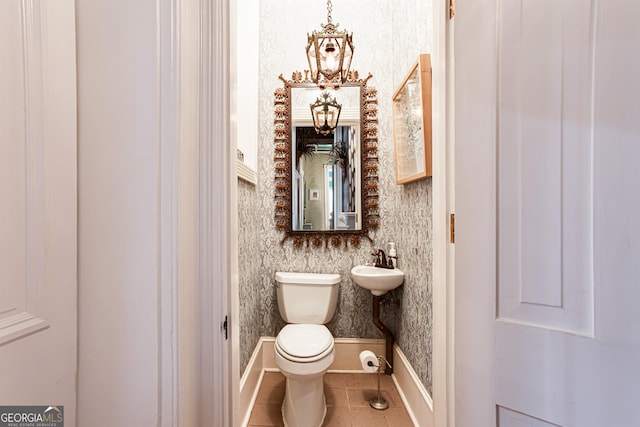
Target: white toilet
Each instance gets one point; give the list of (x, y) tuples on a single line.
[(304, 348)]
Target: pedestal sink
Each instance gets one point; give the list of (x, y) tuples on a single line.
[(377, 280)]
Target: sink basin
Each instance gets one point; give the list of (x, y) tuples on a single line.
[(378, 280)]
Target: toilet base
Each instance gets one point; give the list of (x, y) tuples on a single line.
[(304, 404)]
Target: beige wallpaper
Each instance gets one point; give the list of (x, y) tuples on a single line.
[(388, 37)]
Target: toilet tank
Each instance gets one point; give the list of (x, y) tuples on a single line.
[(307, 297)]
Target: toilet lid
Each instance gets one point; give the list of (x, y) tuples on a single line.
[(304, 341)]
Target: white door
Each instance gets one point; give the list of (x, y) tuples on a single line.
[(38, 287), (548, 206)]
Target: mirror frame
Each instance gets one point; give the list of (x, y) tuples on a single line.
[(368, 172)]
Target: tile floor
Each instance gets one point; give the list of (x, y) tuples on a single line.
[(347, 397)]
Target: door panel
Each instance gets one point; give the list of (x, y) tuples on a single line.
[(545, 156), (13, 192), (549, 337), (545, 204), (38, 286)]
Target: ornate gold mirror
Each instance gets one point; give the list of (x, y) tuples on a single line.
[(326, 186)]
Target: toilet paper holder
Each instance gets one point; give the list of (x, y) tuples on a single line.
[(379, 402)]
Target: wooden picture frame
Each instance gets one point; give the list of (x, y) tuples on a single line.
[(411, 105)]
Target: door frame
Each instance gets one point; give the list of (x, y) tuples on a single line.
[(217, 252), (443, 307), (463, 297), (198, 201), (475, 158)]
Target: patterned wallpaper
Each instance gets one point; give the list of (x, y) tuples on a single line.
[(388, 36), (249, 260)]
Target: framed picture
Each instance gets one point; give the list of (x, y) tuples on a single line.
[(411, 106), (314, 194)]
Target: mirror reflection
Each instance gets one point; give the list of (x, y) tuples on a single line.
[(326, 184)]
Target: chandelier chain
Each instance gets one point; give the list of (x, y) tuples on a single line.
[(329, 11)]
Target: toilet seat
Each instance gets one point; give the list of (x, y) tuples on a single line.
[(304, 343)]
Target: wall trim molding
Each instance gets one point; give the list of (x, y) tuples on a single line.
[(169, 242), (413, 393), (251, 380), (247, 173)]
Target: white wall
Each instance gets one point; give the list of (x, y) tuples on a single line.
[(154, 192), (119, 215), (246, 19)]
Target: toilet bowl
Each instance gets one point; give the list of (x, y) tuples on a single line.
[(303, 353), (304, 349)]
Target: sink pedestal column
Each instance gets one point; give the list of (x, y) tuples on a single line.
[(388, 335)]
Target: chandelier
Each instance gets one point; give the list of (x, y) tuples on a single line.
[(325, 112), (329, 53)]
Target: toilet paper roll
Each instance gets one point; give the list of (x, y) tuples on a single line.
[(369, 361)]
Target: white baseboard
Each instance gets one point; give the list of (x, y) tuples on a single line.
[(414, 396), (250, 382)]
